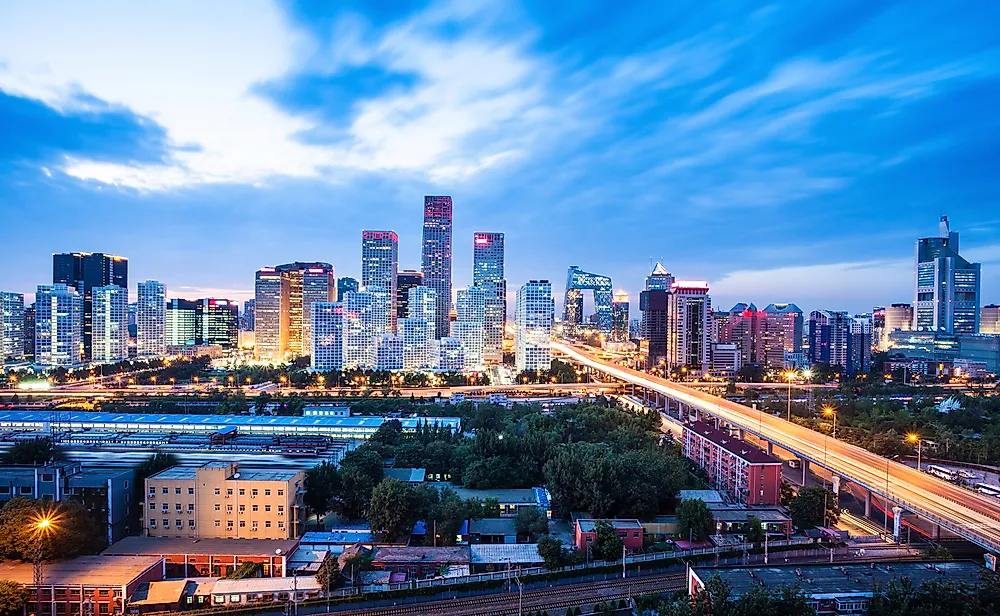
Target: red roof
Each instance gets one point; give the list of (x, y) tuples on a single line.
[(733, 445)]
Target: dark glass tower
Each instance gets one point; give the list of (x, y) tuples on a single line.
[(84, 271), (344, 285), (436, 258), (405, 280)]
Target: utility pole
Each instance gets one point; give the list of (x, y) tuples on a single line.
[(623, 561)]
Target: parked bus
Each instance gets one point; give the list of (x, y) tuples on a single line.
[(942, 473), (987, 489)]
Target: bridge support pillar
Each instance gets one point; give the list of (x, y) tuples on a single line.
[(741, 434), (868, 503), (770, 448), (897, 522), (836, 486), (936, 532), (805, 471)]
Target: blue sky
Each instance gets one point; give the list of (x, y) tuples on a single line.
[(783, 152)]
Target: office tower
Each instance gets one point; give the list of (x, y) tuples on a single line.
[(383, 310), (989, 320), (830, 338), (379, 267), (151, 319), (472, 337), (84, 271), (743, 328), (318, 284), (898, 317), (247, 319), (688, 313), (133, 327), (416, 334), (470, 304), (218, 323), (535, 312), (436, 258), (269, 343), (406, 280), (109, 341), (451, 356), (861, 344), (488, 274), (653, 305), (659, 279), (578, 281), (58, 325), (11, 328), (389, 352), (327, 351), (346, 284), (423, 305), (358, 329), (878, 326), (947, 286), (181, 323), (29, 333), (780, 331), (619, 317)]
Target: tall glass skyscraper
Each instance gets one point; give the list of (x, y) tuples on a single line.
[(110, 324), (58, 325), (406, 280), (535, 315), (11, 327), (283, 301), (327, 351), (346, 284), (436, 257), (947, 286), (83, 271), (359, 312), (379, 266), (488, 275), (151, 319)]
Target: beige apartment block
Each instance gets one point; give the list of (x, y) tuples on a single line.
[(221, 500)]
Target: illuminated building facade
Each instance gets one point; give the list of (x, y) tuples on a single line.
[(688, 325), (416, 335), (58, 325), (989, 320), (270, 339), (83, 271), (379, 268), (780, 332), (151, 319), (488, 274), (109, 341), (659, 279), (328, 339), (389, 352), (830, 339), (406, 280), (359, 313), (11, 327), (283, 301), (861, 343), (619, 317), (218, 323), (182, 323), (577, 281), (451, 355), (653, 305), (947, 286), (436, 257), (534, 315)]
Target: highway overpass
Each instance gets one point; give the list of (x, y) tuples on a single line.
[(967, 514)]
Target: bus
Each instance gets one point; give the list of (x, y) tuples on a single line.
[(942, 473), (987, 489)]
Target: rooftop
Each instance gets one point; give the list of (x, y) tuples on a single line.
[(85, 570), (342, 536), (740, 515), (735, 446), (409, 475), (493, 526), (708, 496), (516, 496), (514, 553), (245, 474), (836, 580), (588, 526), (157, 593), (264, 585), (156, 546), (422, 554)]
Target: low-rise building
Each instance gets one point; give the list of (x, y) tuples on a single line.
[(630, 532), (407, 475), (183, 557), (500, 556), (420, 562), (493, 530), (510, 499), (743, 472), (251, 591)]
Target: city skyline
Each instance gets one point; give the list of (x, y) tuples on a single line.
[(729, 166)]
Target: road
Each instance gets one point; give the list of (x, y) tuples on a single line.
[(965, 513)]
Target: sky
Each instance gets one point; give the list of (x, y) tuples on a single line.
[(786, 152)]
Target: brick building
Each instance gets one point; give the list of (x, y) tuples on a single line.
[(183, 557), (630, 532), (745, 473)]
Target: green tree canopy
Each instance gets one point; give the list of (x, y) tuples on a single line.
[(754, 532), (393, 509), (34, 451), (13, 598), (531, 521), (321, 485), (807, 508), (695, 519), (73, 531), (607, 545)]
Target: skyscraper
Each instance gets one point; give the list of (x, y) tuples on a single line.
[(989, 321), (577, 281), (897, 317), (659, 279), (653, 305), (405, 280), (109, 341), (218, 323), (270, 338), (379, 267), (58, 325), (688, 313), (743, 328), (151, 319), (346, 284), (861, 344), (11, 328), (947, 286), (84, 271), (181, 323), (389, 352), (619, 317), (416, 350), (327, 351), (830, 338), (470, 326), (535, 312), (284, 296), (436, 257), (359, 329), (488, 274), (423, 306), (451, 355), (29, 333), (780, 332), (247, 320)]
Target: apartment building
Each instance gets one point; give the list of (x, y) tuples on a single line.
[(222, 500), (747, 474)]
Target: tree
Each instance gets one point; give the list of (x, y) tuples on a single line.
[(245, 570), (607, 545), (354, 493), (787, 493), (321, 485), (328, 575), (807, 509), (479, 509), (531, 521), (445, 516), (74, 531), (393, 508), (13, 598), (754, 531), (552, 552), (695, 519), (36, 451)]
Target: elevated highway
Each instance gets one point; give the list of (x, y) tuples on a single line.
[(965, 513)]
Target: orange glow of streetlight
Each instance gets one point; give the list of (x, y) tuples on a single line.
[(913, 438)]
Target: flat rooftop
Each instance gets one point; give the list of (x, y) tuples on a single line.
[(733, 445), (588, 526), (422, 554), (88, 571), (837, 580), (497, 553), (157, 546), (246, 474), (516, 496)]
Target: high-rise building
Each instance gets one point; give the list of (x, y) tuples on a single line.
[(84, 271), (318, 285), (423, 305), (436, 257), (653, 305), (359, 312), (878, 327), (897, 317), (328, 339), (619, 317), (688, 324), (109, 342), (270, 339), (470, 304), (247, 318), (659, 279), (780, 331), (416, 334), (406, 280), (29, 333), (830, 338), (379, 267), (947, 286), (182, 323), (383, 310), (989, 319), (58, 325), (151, 319), (472, 337), (861, 344), (11, 328), (218, 323), (488, 274), (535, 313), (389, 352), (284, 296), (743, 328), (578, 281), (346, 284), (451, 355)]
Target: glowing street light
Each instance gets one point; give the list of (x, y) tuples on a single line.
[(915, 438), (830, 411), (41, 527)]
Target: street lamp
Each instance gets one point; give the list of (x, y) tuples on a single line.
[(789, 375), (828, 411), (41, 527), (915, 438)]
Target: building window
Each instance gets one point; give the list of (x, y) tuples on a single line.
[(229, 524), (190, 523), (190, 507), (177, 491), (190, 491), (267, 523), (281, 492), (218, 507), (281, 510), (152, 523), (24, 490), (281, 524), (218, 491), (267, 492), (166, 523), (253, 525), (152, 506), (243, 508), (180, 524), (178, 507), (46, 476), (165, 491), (243, 492), (126, 484), (165, 507), (253, 493), (229, 491), (229, 508), (243, 523), (254, 508), (267, 508), (218, 523)]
